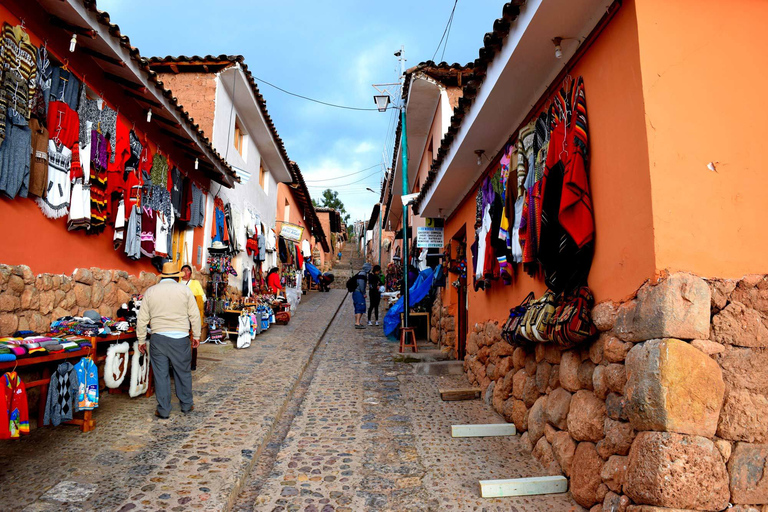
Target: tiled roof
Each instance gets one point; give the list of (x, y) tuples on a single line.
[(213, 63), (103, 18), (492, 43)]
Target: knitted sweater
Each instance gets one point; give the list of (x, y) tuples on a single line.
[(169, 307), (14, 417), (18, 58), (62, 396)]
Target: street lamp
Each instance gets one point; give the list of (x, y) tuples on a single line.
[(382, 102), (369, 189), (404, 150)]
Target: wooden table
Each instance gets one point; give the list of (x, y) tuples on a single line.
[(419, 313), (87, 423)]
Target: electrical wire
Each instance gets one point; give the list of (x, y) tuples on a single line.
[(345, 176), (448, 35), (346, 184), (314, 100), (447, 28)]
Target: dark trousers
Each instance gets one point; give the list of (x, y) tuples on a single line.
[(374, 307), (178, 352)]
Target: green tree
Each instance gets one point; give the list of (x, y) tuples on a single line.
[(331, 200)]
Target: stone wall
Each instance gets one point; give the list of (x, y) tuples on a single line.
[(666, 409), (443, 328), (32, 302)]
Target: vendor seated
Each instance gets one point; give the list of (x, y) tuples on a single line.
[(273, 281), (325, 281)]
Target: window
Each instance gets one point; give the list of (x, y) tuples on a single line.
[(264, 178), (287, 212), (240, 138)]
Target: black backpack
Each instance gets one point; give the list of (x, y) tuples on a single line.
[(352, 283)]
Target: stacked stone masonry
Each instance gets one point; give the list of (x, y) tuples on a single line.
[(666, 410), (32, 302), (443, 328)]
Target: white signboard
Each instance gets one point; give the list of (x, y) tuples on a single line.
[(291, 232), (429, 238)]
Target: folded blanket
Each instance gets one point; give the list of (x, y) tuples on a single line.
[(18, 351), (38, 351), (50, 342), (54, 347), (7, 357), (30, 345), (5, 349)]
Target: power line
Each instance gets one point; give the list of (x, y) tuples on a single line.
[(312, 99), (447, 28), (448, 35), (346, 184), (345, 176)]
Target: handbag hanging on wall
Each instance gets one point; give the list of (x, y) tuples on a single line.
[(572, 321), (511, 330)]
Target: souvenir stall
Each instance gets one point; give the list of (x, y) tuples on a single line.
[(68, 153)]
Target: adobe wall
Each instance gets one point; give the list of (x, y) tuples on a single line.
[(667, 407)]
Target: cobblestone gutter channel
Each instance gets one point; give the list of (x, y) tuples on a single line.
[(134, 462)]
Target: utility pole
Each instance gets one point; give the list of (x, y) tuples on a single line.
[(404, 151)]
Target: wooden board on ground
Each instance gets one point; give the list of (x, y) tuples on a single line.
[(460, 394), (489, 430), (523, 486)]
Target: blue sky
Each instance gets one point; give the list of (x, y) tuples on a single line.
[(331, 50)]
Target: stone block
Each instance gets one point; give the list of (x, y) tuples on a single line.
[(725, 448), (30, 298), (504, 367), (15, 284), (586, 369), (46, 302), (741, 326), (599, 383), (67, 284), (83, 275), (678, 471), (586, 417), (9, 323), (44, 282), (543, 452), (518, 383), (708, 347), (752, 291), (537, 419), (518, 358), (615, 350), (604, 316), (615, 503), (543, 373), (597, 508), (530, 364), (586, 480), (673, 387), (554, 377), (519, 414), (472, 347), (549, 432), (744, 368), (525, 442), (743, 417), (530, 391), (501, 349), (613, 472), (618, 438), (569, 370), (677, 307), (490, 371), (504, 386), (564, 447), (552, 353), (483, 353), (616, 377), (27, 275), (651, 508), (596, 349), (5, 274), (493, 333), (82, 295), (9, 302), (97, 295), (720, 290), (488, 392), (558, 405)]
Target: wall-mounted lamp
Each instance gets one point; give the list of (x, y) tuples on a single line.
[(557, 41), (197, 163), (479, 153), (149, 115), (72, 43)]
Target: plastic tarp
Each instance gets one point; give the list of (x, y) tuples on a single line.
[(416, 293), (313, 271)]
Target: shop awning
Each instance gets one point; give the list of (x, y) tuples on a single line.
[(399, 234)]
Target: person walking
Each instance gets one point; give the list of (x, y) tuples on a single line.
[(170, 309), (374, 291), (358, 296), (197, 291)]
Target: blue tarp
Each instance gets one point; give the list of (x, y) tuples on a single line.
[(313, 271), (416, 294)]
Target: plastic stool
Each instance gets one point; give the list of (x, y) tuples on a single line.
[(404, 332)]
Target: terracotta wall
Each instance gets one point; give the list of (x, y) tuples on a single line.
[(621, 188), (197, 92), (703, 79), (296, 215)]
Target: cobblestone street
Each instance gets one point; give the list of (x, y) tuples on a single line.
[(275, 428)]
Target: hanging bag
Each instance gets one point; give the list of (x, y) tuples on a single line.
[(537, 325), (573, 323), (510, 331)]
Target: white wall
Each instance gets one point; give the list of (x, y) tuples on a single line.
[(241, 196)]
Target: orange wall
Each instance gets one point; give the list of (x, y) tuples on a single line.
[(621, 188), (704, 79), (45, 245), (284, 192)]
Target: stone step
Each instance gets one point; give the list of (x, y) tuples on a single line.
[(450, 367)]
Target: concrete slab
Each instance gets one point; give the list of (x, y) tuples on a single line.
[(438, 368)]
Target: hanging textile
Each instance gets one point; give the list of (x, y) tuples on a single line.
[(98, 182), (15, 156), (38, 165), (219, 232), (18, 59), (103, 120), (65, 87), (14, 416), (55, 204), (88, 384), (62, 395), (139, 372)]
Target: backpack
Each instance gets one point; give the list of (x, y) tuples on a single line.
[(352, 283)]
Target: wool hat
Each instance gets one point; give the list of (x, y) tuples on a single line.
[(170, 269), (366, 267), (92, 315)]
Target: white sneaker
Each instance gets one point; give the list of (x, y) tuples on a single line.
[(369, 322), (377, 322)]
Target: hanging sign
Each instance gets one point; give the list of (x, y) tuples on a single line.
[(429, 238), (291, 232)]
